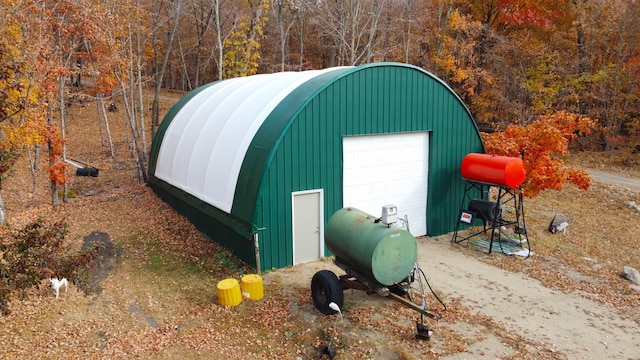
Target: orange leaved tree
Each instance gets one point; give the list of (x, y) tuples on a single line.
[(541, 145)]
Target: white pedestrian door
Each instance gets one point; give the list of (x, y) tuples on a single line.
[(307, 221)]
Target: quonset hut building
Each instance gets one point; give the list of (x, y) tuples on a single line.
[(260, 163)]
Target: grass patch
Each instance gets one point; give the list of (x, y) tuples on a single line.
[(226, 260), (165, 262)]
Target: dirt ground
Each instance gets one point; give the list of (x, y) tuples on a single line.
[(528, 318), (538, 318), (154, 294)]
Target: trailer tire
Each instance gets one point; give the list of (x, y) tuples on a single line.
[(325, 289)]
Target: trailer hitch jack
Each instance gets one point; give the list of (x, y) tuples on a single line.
[(422, 331)]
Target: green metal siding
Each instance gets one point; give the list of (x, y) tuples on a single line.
[(299, 147), (261, 149), (374, 99)]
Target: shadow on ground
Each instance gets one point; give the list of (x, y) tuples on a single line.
[(105, 263)]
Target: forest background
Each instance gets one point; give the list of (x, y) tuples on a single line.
[(511, 61), (97, 76)]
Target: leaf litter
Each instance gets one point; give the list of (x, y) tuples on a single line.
[(167, 271)]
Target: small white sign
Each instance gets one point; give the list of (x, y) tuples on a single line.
[(466, 217)]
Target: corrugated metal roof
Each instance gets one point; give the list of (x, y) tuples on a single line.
[(205, 143)]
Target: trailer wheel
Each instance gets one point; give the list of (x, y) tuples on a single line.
[(325, 289)]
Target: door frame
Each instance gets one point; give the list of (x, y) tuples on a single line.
[(370, 145), (320, 193)]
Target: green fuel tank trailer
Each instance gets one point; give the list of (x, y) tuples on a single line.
[(383, 253)]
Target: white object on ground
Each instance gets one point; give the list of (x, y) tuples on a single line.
[(56, 284), (335, 307)]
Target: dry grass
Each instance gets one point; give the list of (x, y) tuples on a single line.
[(159, 299)]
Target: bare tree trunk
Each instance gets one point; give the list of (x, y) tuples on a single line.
[(132, 79), (2, 213), (162, 66), (203, 16), (99, 102), (137, 151), (55, 200), (581, 42), (106, 125), (284, 33), (185, 76), (378, 7), (302, 33), (407, 36), (33, 167), (143, 129), (283, 44), (441, 28), (352, 26), (63, 126), (218, 25), (252, 34)]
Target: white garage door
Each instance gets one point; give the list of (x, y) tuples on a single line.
[(388, 169)]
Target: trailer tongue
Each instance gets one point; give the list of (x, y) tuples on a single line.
[(377, 257)]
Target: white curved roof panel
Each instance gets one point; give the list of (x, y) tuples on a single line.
[(204, 145)]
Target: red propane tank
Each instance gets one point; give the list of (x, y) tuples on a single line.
[(501, 170)]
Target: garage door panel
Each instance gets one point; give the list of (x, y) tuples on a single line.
[(388, 169)]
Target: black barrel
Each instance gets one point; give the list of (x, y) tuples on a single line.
[(485, 209), (87, 171)]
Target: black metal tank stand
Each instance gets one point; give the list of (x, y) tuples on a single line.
[(506, 210)]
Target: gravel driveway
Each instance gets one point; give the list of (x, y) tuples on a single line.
[(631, 183)]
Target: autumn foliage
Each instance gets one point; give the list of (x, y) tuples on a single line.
[(510, 61), (57, 166), (542, 145)]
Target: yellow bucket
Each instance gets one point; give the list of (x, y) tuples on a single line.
[(229, 292), (252, 287)]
